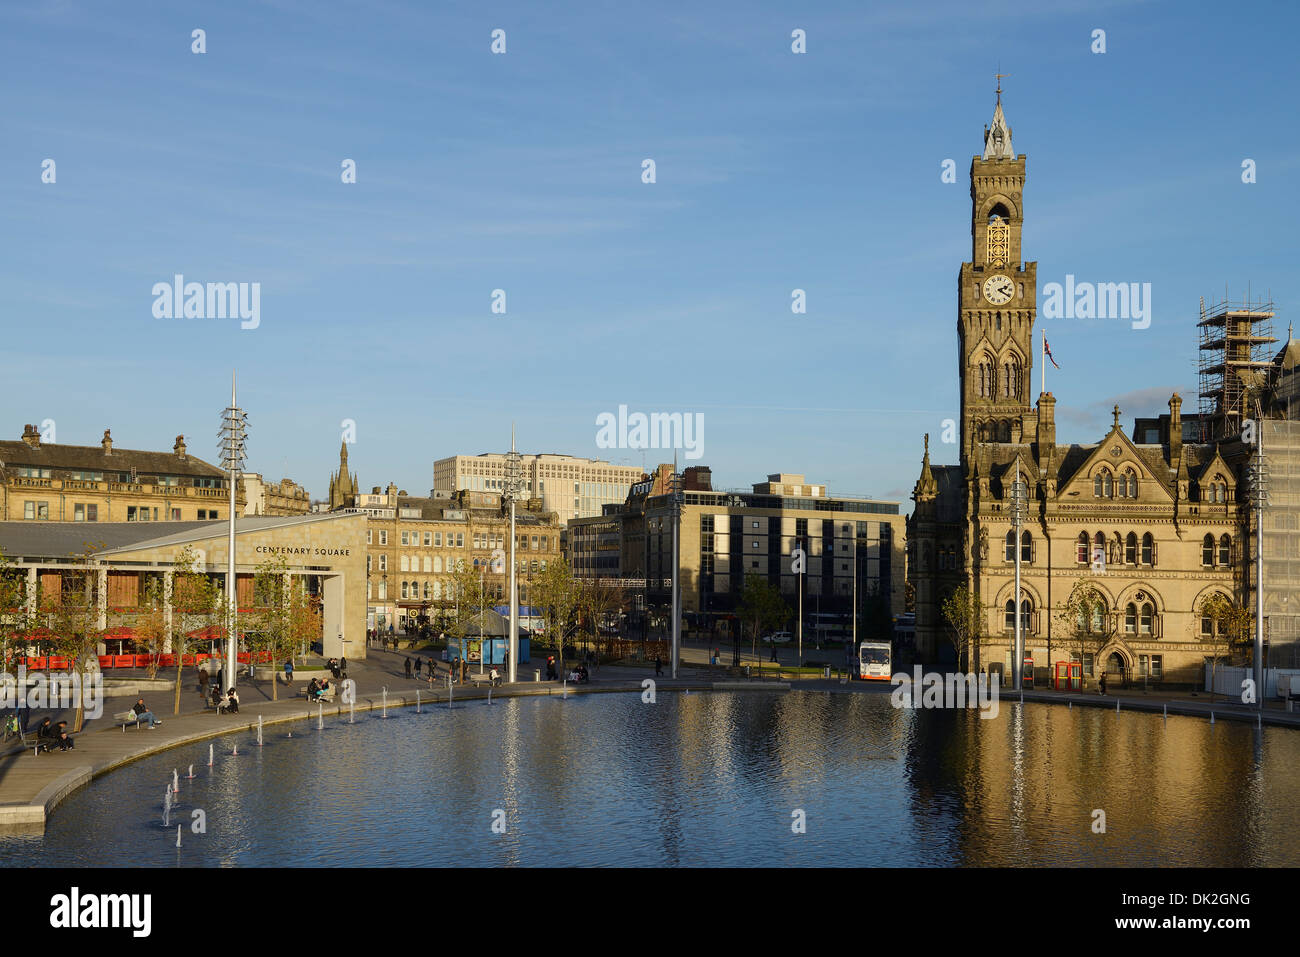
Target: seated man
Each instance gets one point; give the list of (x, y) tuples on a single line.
[(216, 698), (47, 735), (144, 714), (313, 690), (64, 739)]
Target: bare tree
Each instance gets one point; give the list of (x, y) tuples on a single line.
[(964, 611)]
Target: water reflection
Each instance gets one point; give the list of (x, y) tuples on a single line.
[(704, 780)]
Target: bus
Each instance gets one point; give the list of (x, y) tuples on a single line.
[(874, 661)]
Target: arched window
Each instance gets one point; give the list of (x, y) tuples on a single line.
[(1144, 622), (1093, 623), (1026, 615), (1148, 549), (1081, 549), (1026, 547), (1207, 550), (1107, 486), (1096, 485), (1130, 618), (1011, 378), (1098, 543), (1010, 551), (1131, 549), (986, 377), (1225, 550), (1130, 480)]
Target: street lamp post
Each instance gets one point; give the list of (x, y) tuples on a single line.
[(677, 592), (1259, 498), (1019, 512), (234, 434), (514, 476)]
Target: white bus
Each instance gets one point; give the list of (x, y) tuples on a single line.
[(874, 661)]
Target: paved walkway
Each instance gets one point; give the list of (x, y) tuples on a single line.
[(32, 785)]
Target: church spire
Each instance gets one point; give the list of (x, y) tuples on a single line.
[(997, 136), (926, 487)]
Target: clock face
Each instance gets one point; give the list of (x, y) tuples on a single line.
[(998, 289)]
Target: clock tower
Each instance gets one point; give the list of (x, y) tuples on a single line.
[(996, 299)]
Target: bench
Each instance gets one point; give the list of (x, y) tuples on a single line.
[(327, 697), (486, 678), (127, 717)]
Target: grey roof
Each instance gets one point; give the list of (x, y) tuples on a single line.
[(92, 458), (70, 539)]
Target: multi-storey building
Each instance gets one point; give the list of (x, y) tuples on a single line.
[(569, 486), (1153, 524), (414, 545), (284, 497), (725, 536), (44, 482)]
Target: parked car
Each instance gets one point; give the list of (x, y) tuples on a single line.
[(778, 637)]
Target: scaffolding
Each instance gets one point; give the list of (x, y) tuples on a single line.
[(1233, 361)]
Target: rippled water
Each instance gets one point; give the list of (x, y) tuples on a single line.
[(703, 779)]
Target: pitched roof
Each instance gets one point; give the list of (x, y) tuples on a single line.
[(93, 458)]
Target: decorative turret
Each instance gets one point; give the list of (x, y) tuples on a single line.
[(106, 443), (926, 487), (1175, 430)]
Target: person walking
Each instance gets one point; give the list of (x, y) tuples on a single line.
[(419, 663), (288, 671), (1102, 684), (204, 678), (774, 658), (659, 666), (408, 667)]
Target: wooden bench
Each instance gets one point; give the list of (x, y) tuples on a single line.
[(127, 717), (485, 678)]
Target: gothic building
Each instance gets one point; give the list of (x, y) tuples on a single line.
[(1152, 521), (343, 486)]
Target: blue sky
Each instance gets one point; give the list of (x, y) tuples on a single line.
[(522, 172)]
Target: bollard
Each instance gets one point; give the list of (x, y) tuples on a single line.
[(1117, 706), (826, 672), (537, 675), (417, 700)]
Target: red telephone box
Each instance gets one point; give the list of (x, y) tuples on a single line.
[(1027, 673), (1069, 676)]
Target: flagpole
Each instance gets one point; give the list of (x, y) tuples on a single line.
[(1042, 376)]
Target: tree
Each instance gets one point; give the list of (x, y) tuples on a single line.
[(1231, 630), (965, 612), (762, 608), (555, 592), (470, 591), (15, 619), (72, 615), (1084, 619), (285, 619), (196, 603), (598, 598)]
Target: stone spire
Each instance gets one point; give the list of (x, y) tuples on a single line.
[(997, 136), (926, 487)]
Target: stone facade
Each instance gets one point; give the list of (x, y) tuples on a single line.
[(1153, 526)]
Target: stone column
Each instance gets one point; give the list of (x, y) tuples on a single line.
[(332, 615)]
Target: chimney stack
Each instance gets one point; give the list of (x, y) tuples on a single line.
[(1046, 428), (179, 447), (106, 443), (31, 436)]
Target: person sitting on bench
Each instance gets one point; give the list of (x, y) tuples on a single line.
[(232, 702), (313, 690), (215, 699), (142, 713), (64, 739)]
